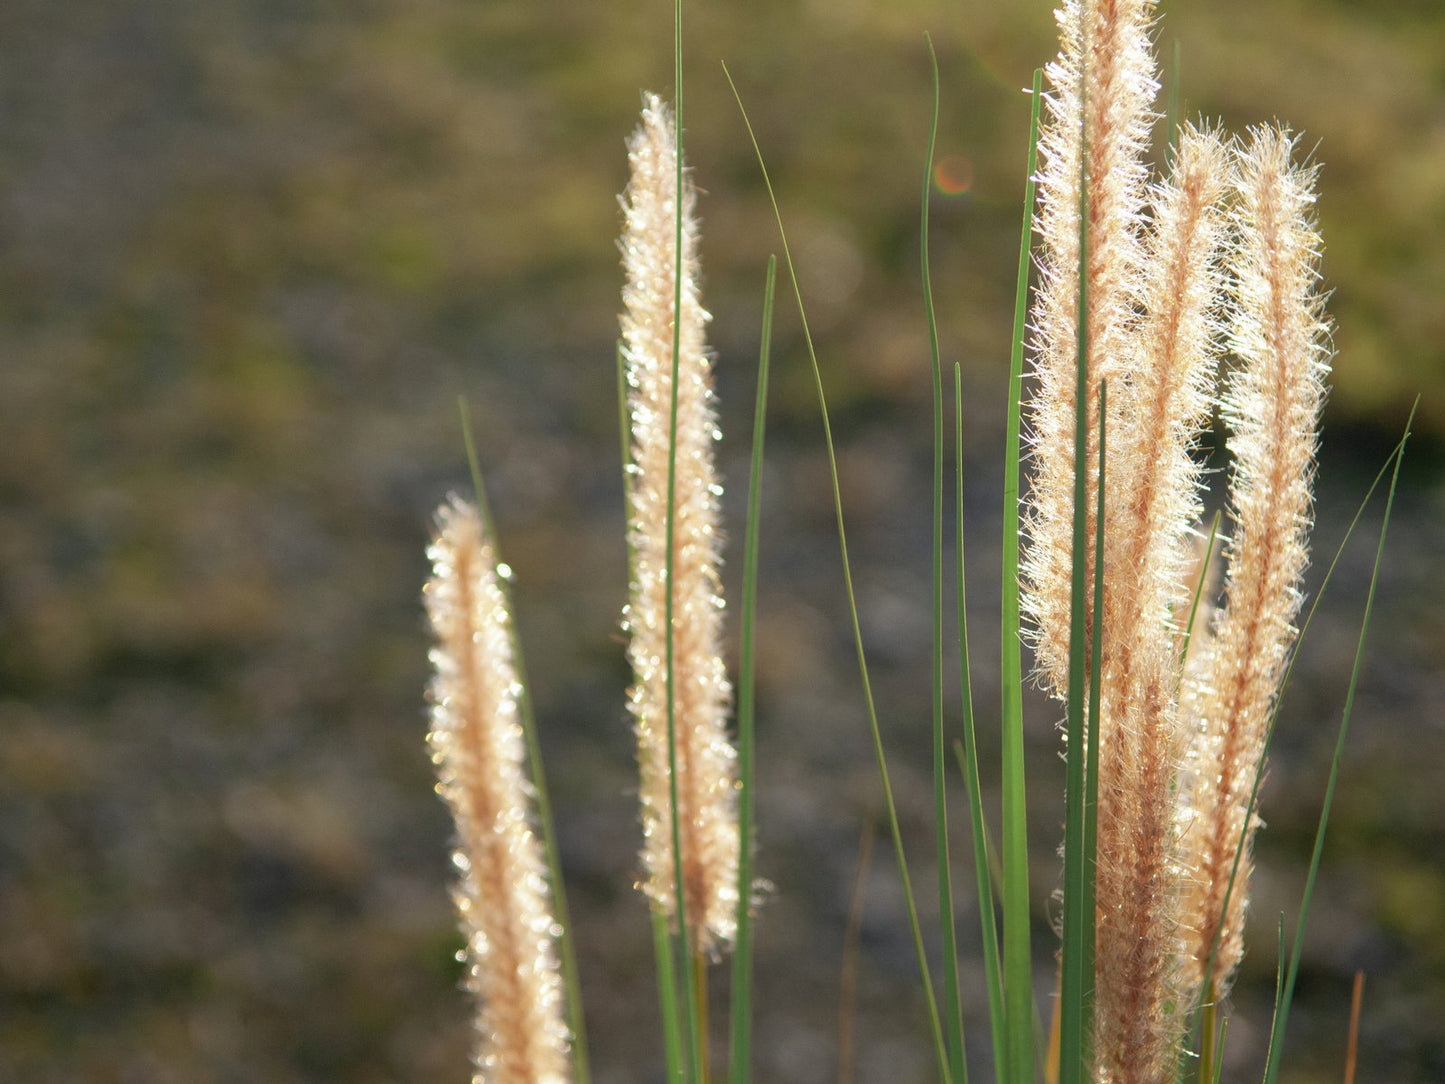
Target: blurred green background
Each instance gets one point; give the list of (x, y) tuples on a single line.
[(250, 255)]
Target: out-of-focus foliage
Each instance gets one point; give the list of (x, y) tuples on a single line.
[(251, 252)]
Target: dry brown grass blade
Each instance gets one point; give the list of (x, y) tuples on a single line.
[(1352, 1047)]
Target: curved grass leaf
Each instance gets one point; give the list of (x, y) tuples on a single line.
[(952, 1005), (742, 970), (875, 731)]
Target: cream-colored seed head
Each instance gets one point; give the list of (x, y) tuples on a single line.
[(1273, 395), (477, 743), (1102, 90), (701, 695), (1153, 501), (1152, 281), (1179, 739)]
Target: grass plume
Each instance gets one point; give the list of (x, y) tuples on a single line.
[(1153, 485), (478, 746), (1099, 112), (1272, 400), (1132, 296), (675, 484)]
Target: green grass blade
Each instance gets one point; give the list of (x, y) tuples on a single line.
[(1199, 583), (1282, 1018), (1278, 989), (1089, 859), (691, 981), (1202, 1016), (875, 731), (952, 1002), (967, 751), (1218, 1053), (991, 856), (1072, 985), (667, 999), (566, 947), (1017, 965), (742, 970), (852, 935), (1091, 763)]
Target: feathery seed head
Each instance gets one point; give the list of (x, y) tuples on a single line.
[(696, 706), (502, 894), (1152, 482), (1099, 113), (1279, 336), (1153, 278)]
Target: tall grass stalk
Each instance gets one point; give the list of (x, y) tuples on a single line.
[(694, 983), (477, 744), (967, 749), (1083, 644), (952, 1001), (1271, 401), (662, 938), (681, 694), (1016, 1019), (1206, 1007)]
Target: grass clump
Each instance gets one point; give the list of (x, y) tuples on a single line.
[(1146, 287)]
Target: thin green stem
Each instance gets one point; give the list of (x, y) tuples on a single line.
[(967, 750), (952, 1002), (1218, 1052), (697, 974), (742, 971), (1199, 583), (667, 999), (1017, 966), (697, 1046), (1278, 991), (876, 734), (1089, 919), (1081, 633)]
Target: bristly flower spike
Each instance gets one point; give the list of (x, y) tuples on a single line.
[(477, 743), (1272, 400), (1099, 117), (1154, 482), (706, 761)]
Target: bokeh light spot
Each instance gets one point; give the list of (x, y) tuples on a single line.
[(953, 174)]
